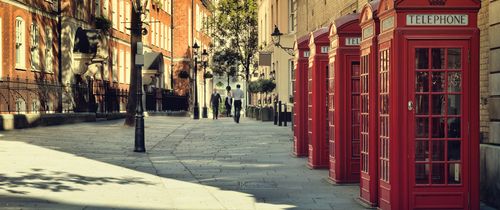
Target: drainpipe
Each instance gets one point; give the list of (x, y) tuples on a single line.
[(59, 55), (172, 45)]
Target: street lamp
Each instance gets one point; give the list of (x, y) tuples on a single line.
[(204, 58), (276, 35), (196, 109)]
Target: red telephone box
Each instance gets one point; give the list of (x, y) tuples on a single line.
[(300, 146), (428, 54), (317, 98), (343, 101), (368, 104)]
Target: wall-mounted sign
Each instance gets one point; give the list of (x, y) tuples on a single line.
[(352, 41), (437, 19), (307, 54), (367, 32), (388, 23), (324, 49)]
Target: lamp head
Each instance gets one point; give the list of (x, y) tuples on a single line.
[(276, 35)]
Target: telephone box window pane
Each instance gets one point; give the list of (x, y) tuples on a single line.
[(454, 127), (422, 128), (437, 58), (438, 81), (454, 82), (422, 58), (438, 105), (454, 58), (438, 127), (438, 150), (454, 150), (422, 82), (422, 173), (454, 175), (422, 104), (438, 176), (421, 150), (454, 105)]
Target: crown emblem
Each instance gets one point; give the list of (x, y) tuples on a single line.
[(437, 2)]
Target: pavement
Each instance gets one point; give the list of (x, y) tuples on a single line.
[(189, 164)]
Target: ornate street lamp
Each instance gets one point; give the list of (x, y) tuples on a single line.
[(276, 35), (196, 108), (204, 62)]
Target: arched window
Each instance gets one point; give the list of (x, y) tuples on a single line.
[(20, 45), (35, 49), (49, 56)]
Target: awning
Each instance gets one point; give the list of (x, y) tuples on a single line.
[(153, 60), (86, 41)]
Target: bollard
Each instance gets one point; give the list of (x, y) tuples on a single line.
[(285, 115), (280, 115), (275, 113)]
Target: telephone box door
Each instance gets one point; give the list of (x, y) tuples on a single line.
[(438, 118)]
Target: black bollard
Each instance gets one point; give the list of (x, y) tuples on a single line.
[(285, 115), (280, 114), (275, 113)]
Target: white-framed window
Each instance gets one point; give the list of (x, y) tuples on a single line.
[(162, 42), (190, 40), (1, 55), (114, 13), (168, 7), (292, 15), (35, 47), (121, 63), (157, 26), (105, 6), (169, 39), (122, 16), (127, 67), (127, 18), (152, 25), (114, 69), (97, 8), (291, 73), (49, 56), (20, 43), (197, 18)]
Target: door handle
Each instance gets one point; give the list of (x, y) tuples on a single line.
[(410, 105)]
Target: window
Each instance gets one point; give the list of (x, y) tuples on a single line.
[(48, 50), (1, 49), (20, 43), (114, 6), (197, 18), (121, 63), (122, 16), (169, 39), (291, 72), (168, 7), (97, 8), (114, 70), (162, 42), (35, 51), (127, 18), (105, 5), (127, 68), (292, 10)]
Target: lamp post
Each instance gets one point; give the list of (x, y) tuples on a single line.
[(204, 57), (276, 35), (196, 108)]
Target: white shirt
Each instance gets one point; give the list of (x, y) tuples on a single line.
[(238, 94)]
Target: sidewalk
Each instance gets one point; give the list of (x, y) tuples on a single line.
[(189, 164)]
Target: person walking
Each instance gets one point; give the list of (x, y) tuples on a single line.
[(215, 100), (237, 96), (228, 102)]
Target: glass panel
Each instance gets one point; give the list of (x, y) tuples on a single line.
[(454, 150), (454, 58), (454, 127), (422, 173), (422, 58), (454, 81), (438, 81), (454, 104), (422, 104), (438, 105), (421, 150), (438, 127), (437, 58), (422, 127), (438, 176), (438, 150), (422, 83), (454, 173)]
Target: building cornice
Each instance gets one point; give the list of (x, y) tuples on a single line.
[(30, 9)]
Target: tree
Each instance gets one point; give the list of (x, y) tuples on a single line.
[(224, 62), (233, 28)]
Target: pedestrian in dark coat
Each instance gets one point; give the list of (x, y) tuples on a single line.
[(228, 103), (215, 100)]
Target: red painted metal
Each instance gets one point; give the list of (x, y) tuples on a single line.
[(317, 95), (368, 104), (300, 146), (428, 114), (343, 101)]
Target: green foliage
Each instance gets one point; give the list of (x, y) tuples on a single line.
[(103, 23), (254, 86), (219, 84), (208, 75), (267, 85), (233, 27)]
